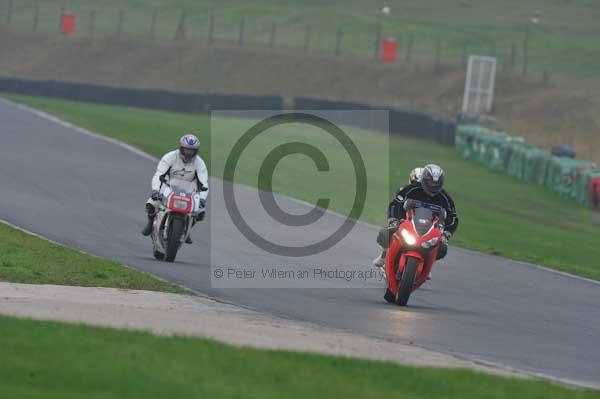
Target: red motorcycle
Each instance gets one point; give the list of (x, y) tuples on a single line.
[(174, 220), (413, 250)]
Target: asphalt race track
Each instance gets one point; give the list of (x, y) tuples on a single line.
[(89, 193)]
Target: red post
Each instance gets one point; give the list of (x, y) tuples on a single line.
[(67, 24), (594, 185), (388, 50)]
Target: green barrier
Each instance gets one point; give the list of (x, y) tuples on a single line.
[(536, 165), (518, 151), (467, 142), (570, 178), (497, 150)]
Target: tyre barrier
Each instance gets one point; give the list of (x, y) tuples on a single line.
[(140, 98)]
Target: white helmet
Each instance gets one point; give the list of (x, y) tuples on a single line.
[(189, 142), (415, 175)]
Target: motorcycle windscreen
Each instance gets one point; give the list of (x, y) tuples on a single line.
[(182, 186), (423, 220)]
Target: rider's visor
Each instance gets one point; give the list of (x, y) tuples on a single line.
[(188, 153)]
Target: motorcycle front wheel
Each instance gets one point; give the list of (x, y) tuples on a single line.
[(408, 279), (176, 228)]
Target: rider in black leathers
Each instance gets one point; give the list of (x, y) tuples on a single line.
[(429, 189)]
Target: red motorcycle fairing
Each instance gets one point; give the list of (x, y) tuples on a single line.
[(399, 253), (176, 200)]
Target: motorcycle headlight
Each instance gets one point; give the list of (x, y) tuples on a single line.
[(408, 238), (429, 243), (180, 204)]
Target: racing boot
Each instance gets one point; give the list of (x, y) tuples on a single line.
[(379, 262), (148, 228), (151, 213), (197, 218)]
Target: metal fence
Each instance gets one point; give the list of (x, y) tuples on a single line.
[(212, 27)]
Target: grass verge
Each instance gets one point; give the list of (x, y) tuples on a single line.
[(56, 360), (31, 260), (499, 214)]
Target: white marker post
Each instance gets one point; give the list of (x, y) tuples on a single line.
[(479, 85)]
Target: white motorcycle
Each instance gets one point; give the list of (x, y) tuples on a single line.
[(174, 219)]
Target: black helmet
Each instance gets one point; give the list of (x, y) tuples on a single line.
[(432, 179)]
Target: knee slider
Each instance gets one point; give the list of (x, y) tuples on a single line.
[(150, 210), (383, 237)]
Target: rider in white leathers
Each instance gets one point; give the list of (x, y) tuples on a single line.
[(183, 166)]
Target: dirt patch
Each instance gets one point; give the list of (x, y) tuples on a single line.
[(562, 111)]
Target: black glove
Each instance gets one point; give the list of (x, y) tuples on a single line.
[(155, 195), (393, 222), (202, 203)]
